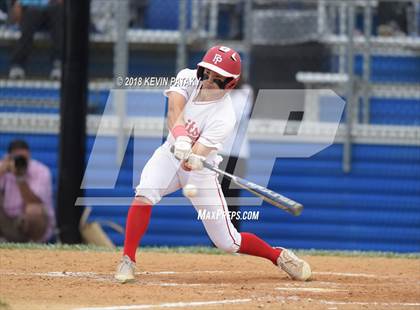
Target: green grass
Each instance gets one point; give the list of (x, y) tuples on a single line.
[(197, 249), (359, 254), (55, 247), (94, 248)]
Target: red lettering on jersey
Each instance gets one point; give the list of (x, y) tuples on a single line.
[(192, 129)]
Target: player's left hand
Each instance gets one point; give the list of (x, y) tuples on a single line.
[(195, 162), (182, 147)]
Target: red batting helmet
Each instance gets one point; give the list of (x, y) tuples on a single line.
[(224, 61)]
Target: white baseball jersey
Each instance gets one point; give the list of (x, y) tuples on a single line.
[(237, 143), (208, 122)]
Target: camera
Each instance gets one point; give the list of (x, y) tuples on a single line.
[(21, 163)]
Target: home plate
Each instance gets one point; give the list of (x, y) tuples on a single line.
[(309, 289)]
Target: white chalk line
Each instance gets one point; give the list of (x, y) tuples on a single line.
[(181, 272), (341, 274), (347, 274), (364, 275), (94, 276), (106, 276), (329, 283), (232, 301), (372, 303), (171, 305), (90, 274), (358, 303), (369, 303), (310, 289)]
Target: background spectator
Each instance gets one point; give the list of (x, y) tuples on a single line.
[(102, 16), (392, 18), (3, 11), (235, 11), (32, 16), (137, 13), (26, 210)]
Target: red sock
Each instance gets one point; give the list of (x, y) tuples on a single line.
[(252, 245), (137, 221)]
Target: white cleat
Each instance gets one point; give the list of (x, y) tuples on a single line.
[(125, 270), (295, 267)]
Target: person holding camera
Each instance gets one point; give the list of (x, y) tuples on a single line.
[(26, 209)]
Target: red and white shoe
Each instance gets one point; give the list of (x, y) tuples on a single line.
[(295, 267)]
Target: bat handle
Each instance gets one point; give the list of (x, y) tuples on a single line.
[(205, 164)]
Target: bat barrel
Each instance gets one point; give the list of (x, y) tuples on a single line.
[(297, 209), (266, 194)]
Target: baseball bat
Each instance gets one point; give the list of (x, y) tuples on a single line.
[(266, 194)]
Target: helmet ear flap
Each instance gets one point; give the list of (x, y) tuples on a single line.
[(200, 72)]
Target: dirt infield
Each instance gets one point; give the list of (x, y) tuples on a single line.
[(57, 279)]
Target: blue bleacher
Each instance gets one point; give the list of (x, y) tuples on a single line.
[(385, 69), (392, 69), (375, 207), (395, 111), (164, 19), (399, 69)]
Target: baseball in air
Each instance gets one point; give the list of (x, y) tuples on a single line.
[(190, 190)]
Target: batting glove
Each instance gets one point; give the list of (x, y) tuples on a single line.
[(195, 162), (182, 147)]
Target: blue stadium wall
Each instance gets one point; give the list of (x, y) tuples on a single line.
[(375, 207)]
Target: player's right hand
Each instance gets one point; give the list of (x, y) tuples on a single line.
[(182, 147)]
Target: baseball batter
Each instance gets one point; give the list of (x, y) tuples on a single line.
[(200, 119)]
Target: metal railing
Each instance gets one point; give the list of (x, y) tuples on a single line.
[(348, 44), (334, 26)]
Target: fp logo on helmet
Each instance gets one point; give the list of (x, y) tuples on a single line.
[(217, 58)]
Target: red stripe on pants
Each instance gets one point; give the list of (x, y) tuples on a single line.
[(219, 191)]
